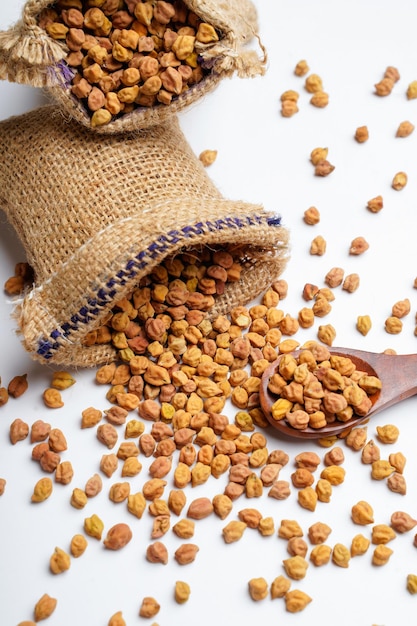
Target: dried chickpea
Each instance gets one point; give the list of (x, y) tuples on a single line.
[(318, 246), (297, 545), (318, 532), (363, 324), (59, 562), (93, 526), (44, 607), (186, 553), (358, 246), (397, 460), (362, 134), (207, 157), (323, 490), (258, 588), (78, 499), (396, 483), (266, 527), (117, 620), (370, 453), (399, 181), (17, 386), (222, 505), (384, 87), (323, 168), (388, 433), (351, 283), (279, 587), (42, 490), (375, 204), (302, 68), (233, 531), (402, 522), (359, 545), (52, 398), (341, 555), (404, 129), (290, 94), (289, 108), (18, 431), (307, 498), (334, 474), (381, 555), (289, 528), (320, 99), (149, 607), (182, 592), (381, 469), (296, 600), (382, 534), (362, 513), (412, 583), (295, 567), (311, 216), (313, 83), (320, 555), (78, 545)]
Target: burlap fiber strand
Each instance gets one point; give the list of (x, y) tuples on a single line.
[(28, 55), (95, 214)]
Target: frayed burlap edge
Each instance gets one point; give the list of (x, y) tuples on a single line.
[(55, 336)]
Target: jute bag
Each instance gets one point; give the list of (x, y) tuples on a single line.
[(29, 55), (95, 214)]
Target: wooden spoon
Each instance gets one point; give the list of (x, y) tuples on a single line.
[(398, 374)]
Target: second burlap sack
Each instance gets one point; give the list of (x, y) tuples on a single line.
[(28, 54), (95, 214)]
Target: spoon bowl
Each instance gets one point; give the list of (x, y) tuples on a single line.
[(397, 373)]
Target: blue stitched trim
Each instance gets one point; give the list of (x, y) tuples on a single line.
[(158, 248)]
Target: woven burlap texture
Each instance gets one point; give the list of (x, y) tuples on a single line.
[(28, 55), (95, 214)]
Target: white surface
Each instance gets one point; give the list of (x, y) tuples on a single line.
[(264, 158)]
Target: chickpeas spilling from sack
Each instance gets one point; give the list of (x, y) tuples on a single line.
[(317, 388), (128, 54), (169, 309)]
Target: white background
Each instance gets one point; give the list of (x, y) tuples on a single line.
[(262, 158)]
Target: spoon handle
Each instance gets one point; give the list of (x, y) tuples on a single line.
[(397, 372)]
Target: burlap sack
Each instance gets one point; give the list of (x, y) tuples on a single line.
[(28, 55), (95, 214)]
